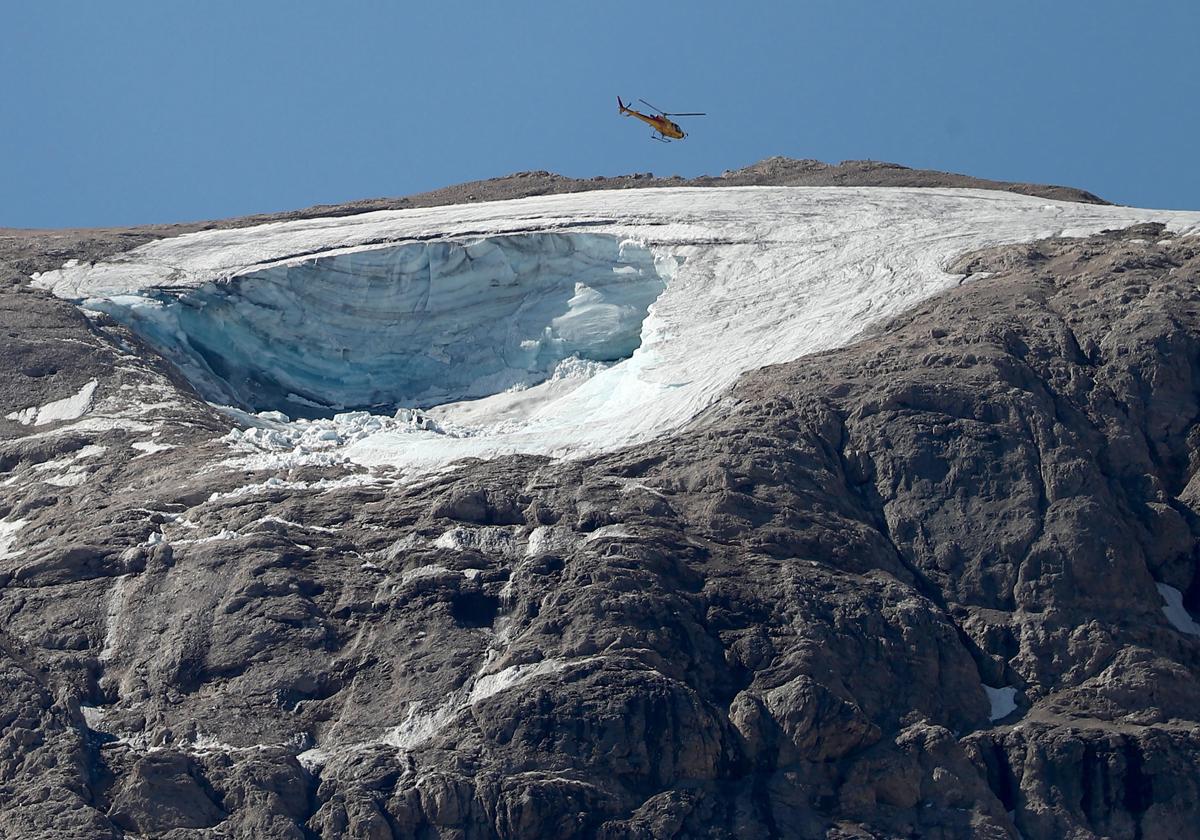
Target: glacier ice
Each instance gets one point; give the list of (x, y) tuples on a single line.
[(749, 277), (415, 325)]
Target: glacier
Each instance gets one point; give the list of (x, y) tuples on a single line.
[(416, 325), (559, 325)]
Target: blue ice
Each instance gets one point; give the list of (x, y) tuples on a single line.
[(415, 324)]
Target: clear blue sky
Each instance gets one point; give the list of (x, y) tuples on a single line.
[(133, 111)]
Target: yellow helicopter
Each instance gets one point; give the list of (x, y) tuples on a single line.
[(667, 130)]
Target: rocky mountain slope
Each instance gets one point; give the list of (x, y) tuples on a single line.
[(934, 584)]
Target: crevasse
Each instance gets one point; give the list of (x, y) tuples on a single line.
[(417, 324)]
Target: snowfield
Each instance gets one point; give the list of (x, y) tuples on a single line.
[(68, 408), (561, 325)]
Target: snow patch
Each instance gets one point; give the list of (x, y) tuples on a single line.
[(419, 727), (8, 535), (149, 447), (94, 424), (1003, 700), (71, 478), (92, 716), (1176, 612), (514, 675), (69, 472), (491, 684), (68, 408)]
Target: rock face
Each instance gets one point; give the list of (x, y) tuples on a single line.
[(913, 587)]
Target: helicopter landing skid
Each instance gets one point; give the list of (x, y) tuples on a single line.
[(659, 139)]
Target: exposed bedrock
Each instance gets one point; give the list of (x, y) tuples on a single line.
[(941, 583), (417, 324)]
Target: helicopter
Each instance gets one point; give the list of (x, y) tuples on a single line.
[(667, 130)]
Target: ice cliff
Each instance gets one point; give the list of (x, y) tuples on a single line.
[(413, 325)]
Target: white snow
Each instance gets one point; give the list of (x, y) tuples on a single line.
[(489, 684), (482, 300), (71, 478), (94, 424), (68, 408), (1003, 700), (512, 676), (69, 473), (1176, 612), (56, 464), (149, 447), (8, 535), (92, 716), (419, 727)]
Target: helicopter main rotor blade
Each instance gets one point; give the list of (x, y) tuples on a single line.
[(672, 114)]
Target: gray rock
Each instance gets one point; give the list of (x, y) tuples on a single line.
[(784, 620)]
